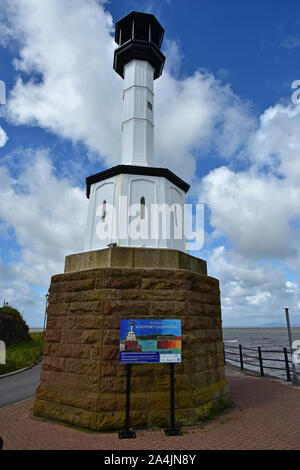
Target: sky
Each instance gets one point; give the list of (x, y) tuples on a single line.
[(226, 94), (145, 327)]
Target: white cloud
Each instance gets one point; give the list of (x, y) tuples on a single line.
[(174, 55), (290, 42), (20, 295), (252, 293), (39, 203), (68, 44), (258, 211), (276, 143), (3, 137), (66, 85), (48, 216), (203, 114), (253, 211)]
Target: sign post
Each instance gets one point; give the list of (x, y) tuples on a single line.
[(172, 430), (295, 378), (127, 433), (148, 342)]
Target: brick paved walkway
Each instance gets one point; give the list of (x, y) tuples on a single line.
[(266, 416)]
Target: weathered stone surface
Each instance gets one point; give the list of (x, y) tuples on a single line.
[(52, 335), (54, 363), (82, 382), (88, 322), (70, 336), (82, 400), (82, 366), (126, 257), (128, 307)]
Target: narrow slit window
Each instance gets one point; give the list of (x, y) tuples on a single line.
[(175, 214), (142, 207), (149, 105), (103, 211)]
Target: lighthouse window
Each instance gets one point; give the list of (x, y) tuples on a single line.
[(142, 207), (175, 213), (103, 211), (156, 35), (125, 34), (141, 31), (149, 105)]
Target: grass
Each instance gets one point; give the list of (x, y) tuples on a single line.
[(23, 355)]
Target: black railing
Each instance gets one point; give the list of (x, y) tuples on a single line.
[(255, 358)]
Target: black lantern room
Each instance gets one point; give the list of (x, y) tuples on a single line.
[(139, 36)]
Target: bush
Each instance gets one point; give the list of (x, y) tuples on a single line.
[(23, 355), (13, 328)]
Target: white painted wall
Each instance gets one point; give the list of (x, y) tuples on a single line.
[(155, 190), (137, 149), (138, 118)]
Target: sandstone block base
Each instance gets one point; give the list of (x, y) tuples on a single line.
[(82, 382), (134, 257)]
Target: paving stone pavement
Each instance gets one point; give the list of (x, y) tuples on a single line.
[(266, 416)]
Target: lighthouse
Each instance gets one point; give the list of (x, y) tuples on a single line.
[(139, 61), (121, 276), (136, 203)]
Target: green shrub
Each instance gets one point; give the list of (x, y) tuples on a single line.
[(13, 329), (23, 354)]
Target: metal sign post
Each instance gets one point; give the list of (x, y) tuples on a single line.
[(172, 430), (295, 378), (150, 341), (127, 433), (45, 316)]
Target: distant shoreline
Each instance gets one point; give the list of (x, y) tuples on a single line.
[(39, 330), (256, 327)]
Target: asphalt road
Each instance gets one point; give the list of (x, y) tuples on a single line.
[(20, 386)]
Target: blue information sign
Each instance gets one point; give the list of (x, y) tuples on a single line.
[(150, 341)]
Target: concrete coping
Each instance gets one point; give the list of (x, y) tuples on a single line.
[(130, 257)]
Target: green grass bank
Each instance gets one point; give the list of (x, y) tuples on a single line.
[(23, 354)]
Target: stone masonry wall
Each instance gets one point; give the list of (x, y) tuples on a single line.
[(82, 382)]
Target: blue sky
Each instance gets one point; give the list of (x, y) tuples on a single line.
[(226, 95), (144, 327)]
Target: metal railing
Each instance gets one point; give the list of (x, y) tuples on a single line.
[(255, 358)]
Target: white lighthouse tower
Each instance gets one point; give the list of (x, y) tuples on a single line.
[(136, 204), (147, 277)]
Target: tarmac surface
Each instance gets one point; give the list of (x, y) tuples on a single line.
[(266, 416), (18, 387)]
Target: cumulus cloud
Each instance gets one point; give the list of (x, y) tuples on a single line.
[(67, 85), (37, 202), (254, 212), (276, 143), (20, 294), (258, 211), (48, 217), (66, 82), (290, 42), (3, 137), (204, 115), (252, 293)]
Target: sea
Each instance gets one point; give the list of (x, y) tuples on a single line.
[(149, 345), (270, 340)]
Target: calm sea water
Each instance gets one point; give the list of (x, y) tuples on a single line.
[(149, 345), (271, 340)]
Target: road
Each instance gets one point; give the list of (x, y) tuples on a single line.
[(20, 386)]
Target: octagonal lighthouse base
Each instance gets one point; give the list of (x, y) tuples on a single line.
[(82, 382)]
